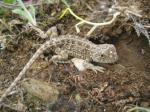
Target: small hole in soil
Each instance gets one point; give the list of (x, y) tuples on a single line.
[(102, 55), (102, 40)]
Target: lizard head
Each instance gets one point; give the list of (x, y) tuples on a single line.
[(105, 53)]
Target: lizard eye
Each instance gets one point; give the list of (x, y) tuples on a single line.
[(102, 55)]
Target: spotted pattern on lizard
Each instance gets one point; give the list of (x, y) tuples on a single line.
[(84, 49)]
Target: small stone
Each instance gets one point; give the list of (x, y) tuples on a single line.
[(41, 90), (78, 98), (52, 32), (19, 107)]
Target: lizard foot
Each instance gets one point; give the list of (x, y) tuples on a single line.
[(61, 57), (82, 65)]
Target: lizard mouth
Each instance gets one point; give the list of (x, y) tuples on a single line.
[(113, 59), (110, 59)]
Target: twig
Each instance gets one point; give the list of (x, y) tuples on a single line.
[(7, 26), (137, 108), (126, 11), (95, 25), (118, 10), (147, 26)]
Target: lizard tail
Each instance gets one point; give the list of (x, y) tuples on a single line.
[(46, 45)]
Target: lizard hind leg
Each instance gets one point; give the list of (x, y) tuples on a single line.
[(82, 65), (60, 57)]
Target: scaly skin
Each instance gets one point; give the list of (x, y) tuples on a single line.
[(78, 47)]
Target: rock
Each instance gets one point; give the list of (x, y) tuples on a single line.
[(78, 98), (42, 90)]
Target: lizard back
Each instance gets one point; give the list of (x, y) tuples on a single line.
[(84, 49), (74, 46)]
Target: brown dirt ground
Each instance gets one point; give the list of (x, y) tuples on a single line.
[(128, 80)]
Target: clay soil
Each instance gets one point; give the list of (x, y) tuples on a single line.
[(124, 83)]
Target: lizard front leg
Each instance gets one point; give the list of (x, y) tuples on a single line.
[(82, 65)]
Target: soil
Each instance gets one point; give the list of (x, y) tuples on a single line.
[(124, 83)]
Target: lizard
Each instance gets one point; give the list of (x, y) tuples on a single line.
[(82, 50)]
